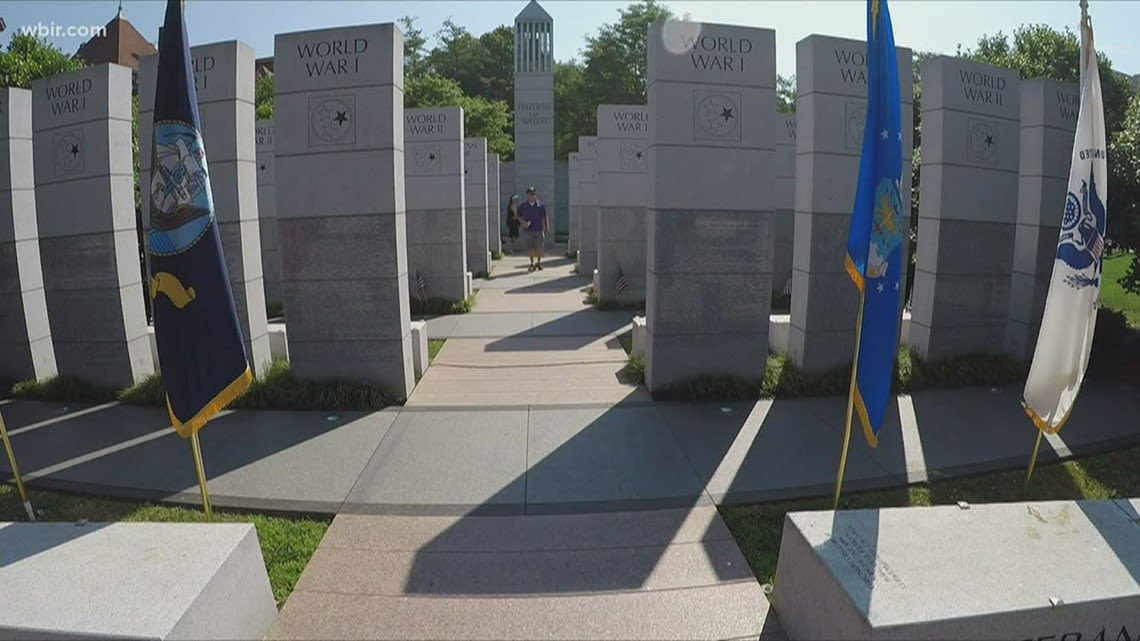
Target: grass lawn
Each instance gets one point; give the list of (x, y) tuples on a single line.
[(434, 345), (286, 543), (757, 528), (1112, 295)]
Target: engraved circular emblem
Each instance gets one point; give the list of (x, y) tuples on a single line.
[(330, 120), (427, 158), (717, 115), (632, 155), (856, 122), (68, 154), (983, 141)]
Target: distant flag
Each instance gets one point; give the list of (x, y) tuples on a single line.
[(421, 288), (1063, 346), (622, 282), (200, 346), (875, 239)]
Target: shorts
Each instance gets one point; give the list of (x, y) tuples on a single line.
[(534, 239)]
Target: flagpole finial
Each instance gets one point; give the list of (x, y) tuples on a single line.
[(1084, 10)]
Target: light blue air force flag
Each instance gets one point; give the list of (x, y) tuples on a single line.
[(1065, 341), (875, 240)]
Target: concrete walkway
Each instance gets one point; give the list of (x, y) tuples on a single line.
[(526, 490)]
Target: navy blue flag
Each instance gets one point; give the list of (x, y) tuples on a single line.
[(200, 346), (874, 242)]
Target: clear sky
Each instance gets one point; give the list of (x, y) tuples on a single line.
[(925, 25)]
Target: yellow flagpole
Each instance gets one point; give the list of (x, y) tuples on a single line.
[(850, 406), (16, 471), (201, 475), (1033, 459)]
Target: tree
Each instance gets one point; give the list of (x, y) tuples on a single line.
[(263, 97), (572, 107), (29, 58), (786, 94), (482, 66), (482, 118), (415, 48), (616, 57), (1124, 190)]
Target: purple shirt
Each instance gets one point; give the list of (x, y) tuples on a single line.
[(533, 214)]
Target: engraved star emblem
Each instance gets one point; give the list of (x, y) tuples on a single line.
[(75, 150), (885, 134), (989, 141), (638, 154), (262, 167), (341, 118), (880, 288), (431, 157), (726, 113)]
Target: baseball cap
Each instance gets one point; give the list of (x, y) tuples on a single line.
[(531, 190)]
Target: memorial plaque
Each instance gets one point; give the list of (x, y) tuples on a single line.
[(831, 93), (475, 190), (224, 82), (710, 242), (970, 157), (437, 251), (623, 198), (1059, 570), (84, 185), (25, 334), (1048, 121), (339, 147)]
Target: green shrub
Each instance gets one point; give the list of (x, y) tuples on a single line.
[(441, 306), (63, 389), (279, 389)]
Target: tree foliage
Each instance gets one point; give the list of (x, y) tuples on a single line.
[(482, 118), (615, 58), (29, 58), (786, 94), (483, 66), (263, 97), (1039, 51)]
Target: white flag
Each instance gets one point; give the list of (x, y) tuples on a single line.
[(1063, 346)]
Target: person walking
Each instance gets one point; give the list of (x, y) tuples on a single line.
[(533, 216), (513, 223)]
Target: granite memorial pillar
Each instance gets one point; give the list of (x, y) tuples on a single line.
[(784, 197), (86, 218), (338, 111), (475, 201), (495, 205), (623, 198), (1048, 121), (223, 80), (434, 191), (26, 351), (588, 205), (831, 110), (711, 89), (267, 213), (968, 195)]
